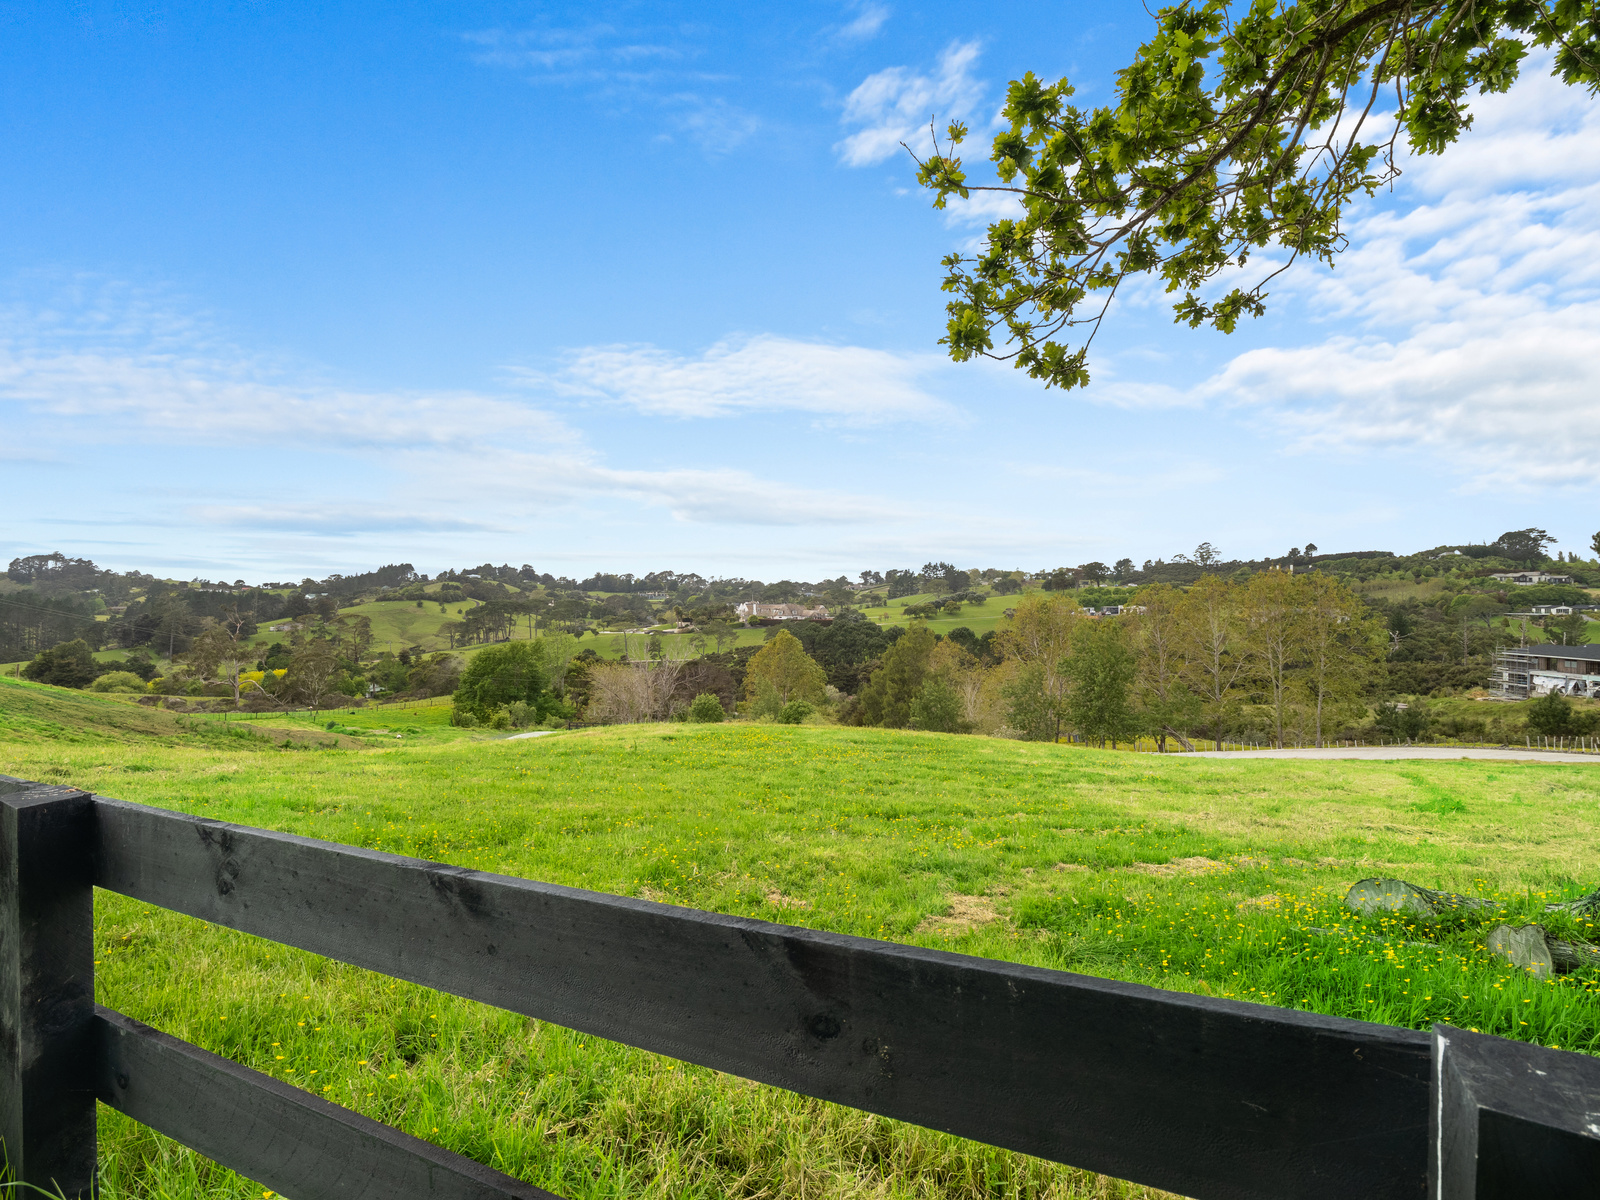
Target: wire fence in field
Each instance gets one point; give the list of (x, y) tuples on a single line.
[(274, 714), (1140, 745), (1149, 745)]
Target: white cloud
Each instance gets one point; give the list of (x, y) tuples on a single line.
[(137, 378), (849, 384), (619, 63), (982, 208), (1140, 395), (866, 25), (1510, 395), (333, 518), (738, 498), (583, 54), (713, 124), (200, 399), (1539, 134), (896, 105)]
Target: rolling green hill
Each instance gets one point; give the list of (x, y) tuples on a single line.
[(33, 714), (980, 618)]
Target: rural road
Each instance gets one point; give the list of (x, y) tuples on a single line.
[(535, 733), (1387, 753)]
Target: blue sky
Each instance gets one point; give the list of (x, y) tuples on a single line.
[(288, 289)]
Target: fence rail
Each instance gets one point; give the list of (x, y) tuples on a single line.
[(1206, 1097)]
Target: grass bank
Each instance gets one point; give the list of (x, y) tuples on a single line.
[(1212, 876)]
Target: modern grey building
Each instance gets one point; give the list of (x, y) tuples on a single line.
[(1524, 671)]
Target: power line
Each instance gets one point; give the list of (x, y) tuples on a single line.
[(56, 612)]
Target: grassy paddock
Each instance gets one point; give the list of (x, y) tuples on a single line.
[(397, 624), (980, 618), (1210, 876)]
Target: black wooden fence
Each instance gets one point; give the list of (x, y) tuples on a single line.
[(1209, 1098)]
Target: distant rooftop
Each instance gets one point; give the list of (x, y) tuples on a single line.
[(1586, 653)]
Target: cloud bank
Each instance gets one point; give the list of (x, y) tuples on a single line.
[(849, 385), (146, 376)]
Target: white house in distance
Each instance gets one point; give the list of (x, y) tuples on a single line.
[(1529, 578), (779, 612)]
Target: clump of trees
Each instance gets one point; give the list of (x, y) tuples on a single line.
[(517, 683), (67, 664), (1280, 655), (1553, 715), (33, 621), (781, 676)]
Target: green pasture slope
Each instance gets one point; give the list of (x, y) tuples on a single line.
[(980, 618), (1200, 875), (396, 624)]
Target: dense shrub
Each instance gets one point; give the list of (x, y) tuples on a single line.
[(138, 663), (795, 712), (390, 674), (502, 675), (1410, 722), (886, 699), (846, 648), (1426, 678), (434, 676), (765, 702), (1552, 715), (1547, 593), (706, 709), (70, 664), (118, 681), (938, 708)]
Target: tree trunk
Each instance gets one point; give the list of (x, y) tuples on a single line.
[(1369, 896), (1530, 949)]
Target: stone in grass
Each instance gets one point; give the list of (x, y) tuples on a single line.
[(1371, 896)]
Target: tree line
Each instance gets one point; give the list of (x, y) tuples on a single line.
[(1280, 656)]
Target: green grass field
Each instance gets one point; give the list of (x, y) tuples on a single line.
[(980, 618), (396, 624), (1214, 876)]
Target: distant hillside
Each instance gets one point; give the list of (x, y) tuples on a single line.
[(36, 712)]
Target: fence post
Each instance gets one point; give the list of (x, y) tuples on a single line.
[(1508, 1120), (47, 1114)]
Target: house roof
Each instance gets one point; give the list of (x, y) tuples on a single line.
[(1550, 650)]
